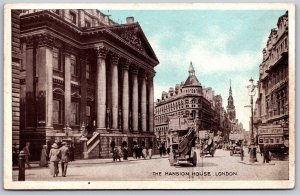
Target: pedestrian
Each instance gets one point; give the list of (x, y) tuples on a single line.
[(164, 150), (15, 155), (150, 152), (160, 150), (65, 157), (144, 152), (72, 154), (261, 149), (27, 154), (168, 150), (54, 156), (134, 152), (116, 154), (125, 153), (266, 157), (139, 152), (43, 159)]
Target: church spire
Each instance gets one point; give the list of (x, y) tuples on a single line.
[(191, 69), (230, 90), (230, 105)]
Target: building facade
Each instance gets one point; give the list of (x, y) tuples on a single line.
[(82, 74), (271, 116), (192, 100), (16, 62)]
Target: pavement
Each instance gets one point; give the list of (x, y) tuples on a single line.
[(221, 167), (36, 165)]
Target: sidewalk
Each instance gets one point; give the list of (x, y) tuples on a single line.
[(258, 163), (36, 165)]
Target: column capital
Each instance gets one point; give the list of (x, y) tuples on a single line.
[(126, 64), (143, 74), (101, 51), (150, 76), (68, 49), (134, 69), (44, 39), (84, 57), (115, 58), (29, 40)]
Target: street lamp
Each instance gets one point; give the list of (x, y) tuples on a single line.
[(251, 92)]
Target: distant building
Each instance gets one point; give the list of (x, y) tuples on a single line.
[(81, 70), (272, 106), (235, 127), (192, 100), (230, 105)]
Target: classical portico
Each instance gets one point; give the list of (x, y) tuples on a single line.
[(110, 108), (98, 79)]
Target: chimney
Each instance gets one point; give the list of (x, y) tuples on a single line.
[(129, 20)]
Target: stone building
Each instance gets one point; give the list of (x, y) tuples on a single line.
[(271, 117), (188, 99), (83, 73), (16, 61)]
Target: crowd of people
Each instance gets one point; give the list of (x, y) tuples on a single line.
[(61, 152), (138, 152)]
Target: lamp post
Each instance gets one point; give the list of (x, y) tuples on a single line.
[(251, 92)]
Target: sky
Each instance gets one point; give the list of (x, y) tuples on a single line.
[(223, 45)]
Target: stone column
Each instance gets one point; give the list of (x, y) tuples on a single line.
[(83, 82), (29, 64), (67, 87), (30, 94), (101, 87), (125, 97), (151, 104), (45, 78), (115, 90), (144, 103), (135, 100)]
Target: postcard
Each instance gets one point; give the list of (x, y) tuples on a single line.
[(149, 96)]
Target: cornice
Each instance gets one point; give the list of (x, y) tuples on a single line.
[(97, 33)]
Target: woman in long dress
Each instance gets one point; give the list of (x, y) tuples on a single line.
[(54, 156), (43, 160)]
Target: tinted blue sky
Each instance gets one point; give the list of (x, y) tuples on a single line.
[(222, 44)]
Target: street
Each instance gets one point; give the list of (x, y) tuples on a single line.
[(220, 167)]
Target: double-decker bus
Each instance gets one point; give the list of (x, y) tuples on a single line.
[(275, 137)]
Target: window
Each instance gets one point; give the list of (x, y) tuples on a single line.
[(88, 115), (55, 59), (73, 65), (57, 111), (87, 24), (88, 71), (73, 17), (74, 113)]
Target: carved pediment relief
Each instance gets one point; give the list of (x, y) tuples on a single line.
[(133, 38)]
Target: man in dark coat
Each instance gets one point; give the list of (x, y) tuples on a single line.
[(65, 158), (27, 154)]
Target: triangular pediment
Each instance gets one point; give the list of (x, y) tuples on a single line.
[(135, 37)]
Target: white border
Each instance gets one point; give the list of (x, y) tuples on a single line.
[(276, 184)]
